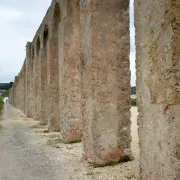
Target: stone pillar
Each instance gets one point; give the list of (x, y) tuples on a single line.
[(70, 77), (53, 85), (13, 95), (24, 85), (33, 76), (28, 81), (53, 70), (44, 85), (105, 81), (158, 88), (23, 88), (17, 92), (48, 89), (20, 91), (37, 85)]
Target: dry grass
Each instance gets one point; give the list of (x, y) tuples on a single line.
[(52, 142), (35, 126)]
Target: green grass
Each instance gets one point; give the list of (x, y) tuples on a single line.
[(5, 93), (35, 126), (133, 90), (6, 86), (53, 141), (75, 141), (1, 103), (1, 107), (133, 102)]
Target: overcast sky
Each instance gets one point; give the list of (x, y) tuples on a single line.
[(19, 21)]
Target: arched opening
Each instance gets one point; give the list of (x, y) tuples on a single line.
[(56, 18), (38, 45), (134, 110), (45, 36)]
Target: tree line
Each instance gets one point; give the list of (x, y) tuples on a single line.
[(6, 86)]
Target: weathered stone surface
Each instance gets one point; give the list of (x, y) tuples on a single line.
[(44, 79), (53, 69), (24, 85), (29, 82), (105, 80), (157, 43), (54, 115), (67, 91), (41, 87), (38, 80), (70, 77)]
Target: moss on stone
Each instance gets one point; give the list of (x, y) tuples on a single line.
[(75, 141)]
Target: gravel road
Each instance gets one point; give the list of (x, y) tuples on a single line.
[(20, 158), (27, 153)]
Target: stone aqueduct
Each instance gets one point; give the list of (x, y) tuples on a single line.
[(76, 79)]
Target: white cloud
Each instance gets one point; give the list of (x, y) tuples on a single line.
[(19, 22)]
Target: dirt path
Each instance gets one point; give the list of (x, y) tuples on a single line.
[(27, 153), (20, 158)]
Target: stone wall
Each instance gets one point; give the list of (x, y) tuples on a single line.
[(43, 76), (55, 46), (158, 85), (76, 79)]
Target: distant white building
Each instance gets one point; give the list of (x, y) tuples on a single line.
[(1, 91), (133, 96)]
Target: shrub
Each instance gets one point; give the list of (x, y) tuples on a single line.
[(133, 102), (5, 93), (1, 103)]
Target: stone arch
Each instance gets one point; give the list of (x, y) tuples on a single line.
[(38, 46), (56, 19), (45, 36), (53, 78)]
